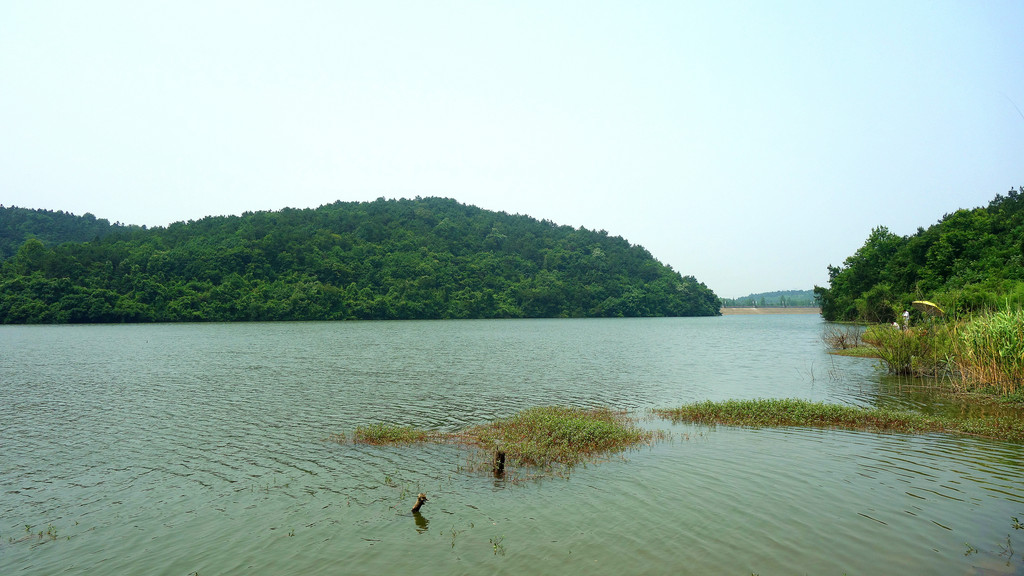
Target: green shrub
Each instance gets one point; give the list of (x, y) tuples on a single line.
[(919, 351)]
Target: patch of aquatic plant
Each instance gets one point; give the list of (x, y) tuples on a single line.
[(1005, 550), (558, 435), (537, 437), (990, 350), (380, 434), (496, 544), (792, 412), (49, 534)]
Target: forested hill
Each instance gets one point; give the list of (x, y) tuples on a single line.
[(777, 299), (49, 227), (388, 259), (970, 260)]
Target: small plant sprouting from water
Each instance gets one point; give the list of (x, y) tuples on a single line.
[(455, 534), (496, 544), (1007, 550), (49, 534)]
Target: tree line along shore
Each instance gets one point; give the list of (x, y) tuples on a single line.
[(424, 258), (945, 302)]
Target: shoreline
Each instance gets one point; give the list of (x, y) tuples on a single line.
[(735, 310)]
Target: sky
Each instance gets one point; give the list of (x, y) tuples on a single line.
[(748, 144)]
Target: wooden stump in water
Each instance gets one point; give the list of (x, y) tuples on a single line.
[(499, 464)]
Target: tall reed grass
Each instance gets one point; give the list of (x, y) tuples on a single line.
[(982, 351), (990, 350)]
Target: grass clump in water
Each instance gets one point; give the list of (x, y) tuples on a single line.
[(791, 412), (558, 435), (541, 437)]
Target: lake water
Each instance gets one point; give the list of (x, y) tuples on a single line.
[(205, 448)]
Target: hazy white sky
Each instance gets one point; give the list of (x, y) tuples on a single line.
[(749, 144)]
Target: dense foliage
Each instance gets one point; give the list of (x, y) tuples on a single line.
[(970, 260), (388, 259), (49, 227), (778, 299)]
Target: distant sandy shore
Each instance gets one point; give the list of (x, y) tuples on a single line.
[(728, 311)]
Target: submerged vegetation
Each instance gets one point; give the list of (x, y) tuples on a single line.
[(552, 439), (540, 438), (380, 434), (557, 435), (792, 412)]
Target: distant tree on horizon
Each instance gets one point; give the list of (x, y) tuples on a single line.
[(777, 299)]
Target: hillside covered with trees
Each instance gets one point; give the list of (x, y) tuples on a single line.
[(49, 227), (777, 299), (970, 260), (387, 259)]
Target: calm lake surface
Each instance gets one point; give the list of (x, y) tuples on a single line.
[(205, 448)]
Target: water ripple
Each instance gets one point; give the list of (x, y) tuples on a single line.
[(182, 448)]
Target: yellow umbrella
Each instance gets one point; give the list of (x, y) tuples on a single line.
[(929, 308)]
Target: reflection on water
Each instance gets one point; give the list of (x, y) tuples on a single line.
[(421, 522), (175, 449)]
